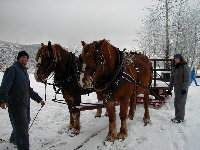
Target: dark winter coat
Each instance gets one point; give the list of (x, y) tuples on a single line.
[(15, 86), (180, 78)]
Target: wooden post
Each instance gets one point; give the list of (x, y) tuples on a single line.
[(154, 73)]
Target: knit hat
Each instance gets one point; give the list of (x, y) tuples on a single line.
[(22, 53), (178, 56)]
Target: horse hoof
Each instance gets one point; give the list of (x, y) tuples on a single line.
[(70, 127), (106, 114), (110, 138), (122, 135), (97, 116), (146, 122), (75, 132), (130, 117)]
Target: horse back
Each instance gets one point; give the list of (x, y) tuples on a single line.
[(141, 68)]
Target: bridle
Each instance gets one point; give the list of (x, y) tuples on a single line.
[(99, 61), (45, 68)]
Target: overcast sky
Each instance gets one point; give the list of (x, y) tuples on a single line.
[(68, 22)]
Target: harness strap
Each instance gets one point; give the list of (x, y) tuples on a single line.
[(114, 75), (131, 80)]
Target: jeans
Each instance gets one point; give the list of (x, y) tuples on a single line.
[(20, 118)]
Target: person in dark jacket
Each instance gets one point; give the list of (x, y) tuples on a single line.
[(15, 94), (193, 77), (180, 80)]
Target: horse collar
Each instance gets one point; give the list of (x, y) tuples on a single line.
[(102, 85)]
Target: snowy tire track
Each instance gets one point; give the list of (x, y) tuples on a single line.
[(88, 139)]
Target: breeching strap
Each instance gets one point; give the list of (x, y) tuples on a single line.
[(131, 80)]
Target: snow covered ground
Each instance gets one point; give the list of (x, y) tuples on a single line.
[(50, 128)]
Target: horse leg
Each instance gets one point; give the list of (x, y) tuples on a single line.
[(71, 125), (106, 113), (76, 114), (123, 116), (98, 113), (132, 107), (110, 106), (71, 122), (146, 117), (100, 97), (99, 110), (69, 100), (76, 117)]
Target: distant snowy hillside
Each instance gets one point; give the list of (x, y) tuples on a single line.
[(8, 53)]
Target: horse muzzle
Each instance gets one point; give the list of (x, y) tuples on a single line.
[(85, 81)]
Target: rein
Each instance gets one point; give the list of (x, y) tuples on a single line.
[(45, 97)]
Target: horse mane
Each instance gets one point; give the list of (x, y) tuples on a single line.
[(136, 53), (103, 42), (57, 50), (41, 52), (45, 51)]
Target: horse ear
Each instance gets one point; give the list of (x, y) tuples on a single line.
[(49, 45), (101, 42), (42, 44), (83, 43)]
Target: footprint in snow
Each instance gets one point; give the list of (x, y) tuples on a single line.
[(142, 139)]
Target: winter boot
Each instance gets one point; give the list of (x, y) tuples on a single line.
[(177, 120)]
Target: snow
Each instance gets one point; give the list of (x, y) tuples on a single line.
[(50, 131)]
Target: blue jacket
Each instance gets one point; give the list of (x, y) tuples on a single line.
[(192, 74), (15, 86)]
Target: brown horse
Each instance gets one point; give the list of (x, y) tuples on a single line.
[(66, 67), (118, 77)]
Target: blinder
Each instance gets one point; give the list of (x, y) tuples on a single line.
[(98, 56), (46, 67)]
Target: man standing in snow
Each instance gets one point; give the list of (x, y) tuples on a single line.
[(15, 94), (192, 77), (180, 80)]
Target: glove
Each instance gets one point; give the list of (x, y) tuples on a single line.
[(169, 92), (42, 103), (183, 92), (3, 105)]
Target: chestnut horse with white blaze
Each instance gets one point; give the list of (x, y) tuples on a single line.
[(116, 76), (66, 68)]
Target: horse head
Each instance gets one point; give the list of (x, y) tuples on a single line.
[(45, 62), (97, 62)]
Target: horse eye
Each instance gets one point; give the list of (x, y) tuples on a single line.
[(86, 50), (38, 65), (87, 68)]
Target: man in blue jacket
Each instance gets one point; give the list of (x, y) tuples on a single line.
[(15, 94)]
